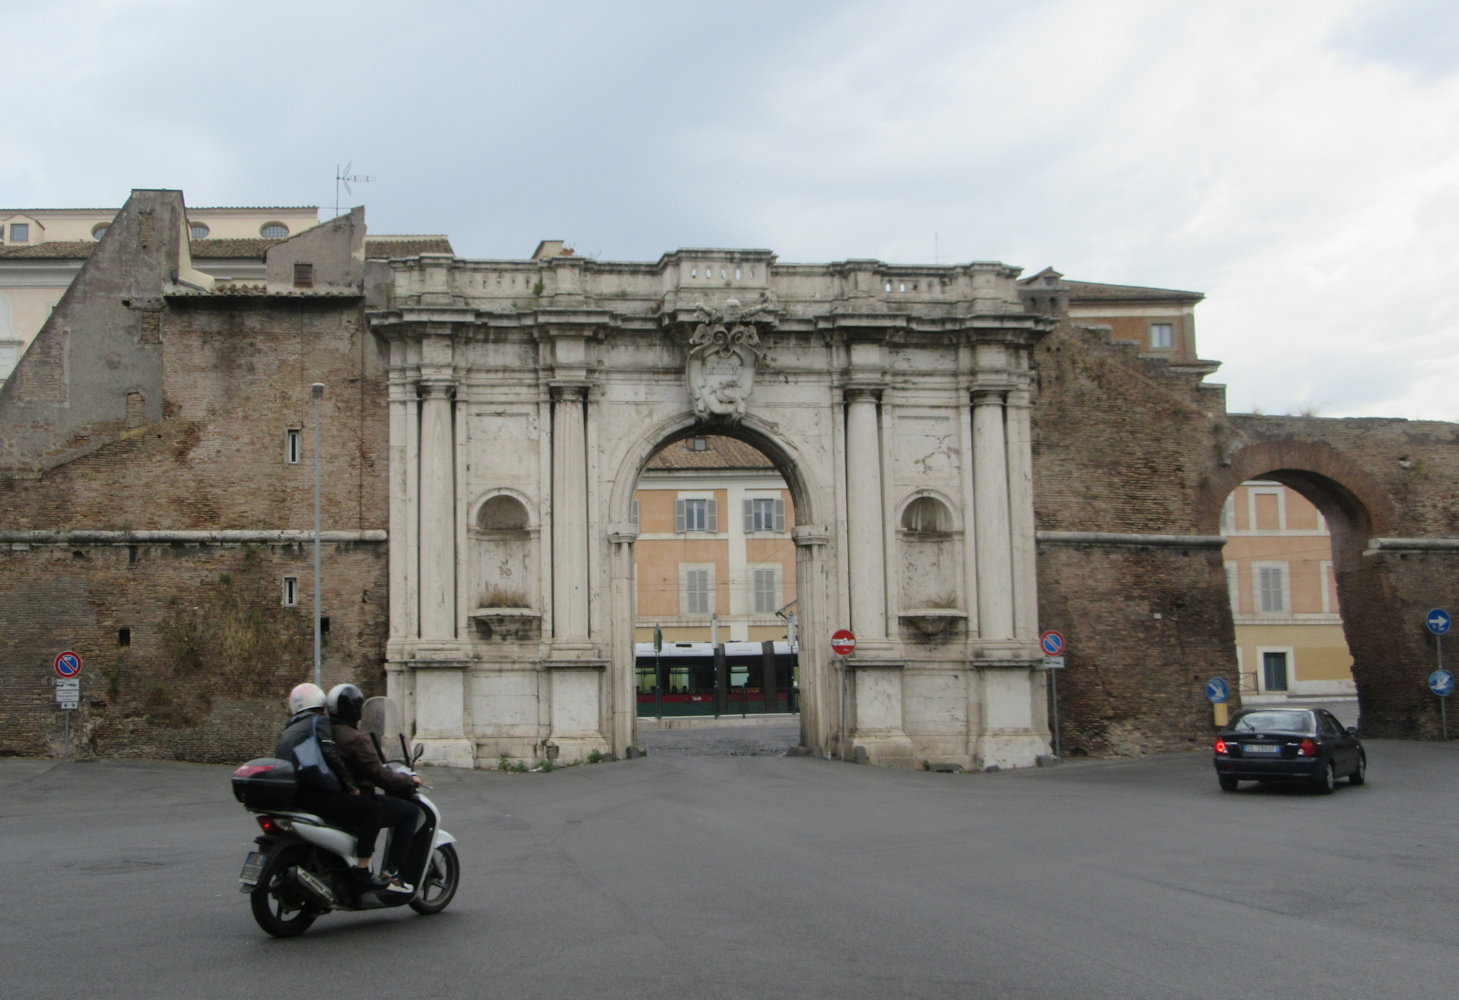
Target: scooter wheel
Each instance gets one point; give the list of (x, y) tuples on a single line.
[(438, 884), (278, 907)]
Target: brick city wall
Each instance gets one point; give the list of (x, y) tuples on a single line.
[(115, 544), (1127, 445), (1121, 444), (188, 650)]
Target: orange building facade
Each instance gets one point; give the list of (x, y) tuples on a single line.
[(714, 557), (1279, 573)]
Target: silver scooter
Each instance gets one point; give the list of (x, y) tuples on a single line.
[(301, 869)]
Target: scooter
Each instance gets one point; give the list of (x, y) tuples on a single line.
[(301, 869)]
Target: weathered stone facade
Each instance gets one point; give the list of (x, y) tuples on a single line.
[(873, 389)]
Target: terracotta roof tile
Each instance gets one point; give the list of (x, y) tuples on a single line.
[(722, 453), (387, 247), (1092, 291)]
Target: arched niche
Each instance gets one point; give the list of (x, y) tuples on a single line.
[(929, 561), (503, 538)]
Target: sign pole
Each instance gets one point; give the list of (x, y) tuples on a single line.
[(658, 669), (1441, 682), (843, 644), (842, 736), (1054, 688)]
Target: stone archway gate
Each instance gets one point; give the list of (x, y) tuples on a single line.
[(526, 397)]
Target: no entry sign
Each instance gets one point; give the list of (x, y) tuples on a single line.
[(843, 643)]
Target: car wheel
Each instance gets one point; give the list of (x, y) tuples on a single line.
[(1360, 773), (1326, 779), (1228, 782)]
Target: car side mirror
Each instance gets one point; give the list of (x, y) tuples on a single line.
[(1352, 730)]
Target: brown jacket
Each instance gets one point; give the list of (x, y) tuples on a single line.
[(364, 763)]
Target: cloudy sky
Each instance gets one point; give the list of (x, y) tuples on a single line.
[(1298, 162)]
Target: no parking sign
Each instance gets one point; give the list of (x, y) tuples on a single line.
[(68, 664)]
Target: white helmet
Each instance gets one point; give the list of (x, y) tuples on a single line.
[(305, 696)]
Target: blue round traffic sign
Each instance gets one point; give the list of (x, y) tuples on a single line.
[(1052, 643), (1218, 691), (68, 664), (1441, 682), (1438, 621)]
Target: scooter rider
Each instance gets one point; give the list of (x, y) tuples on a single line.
[(348, 807), (360, 756)]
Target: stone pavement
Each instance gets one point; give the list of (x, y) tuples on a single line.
[(730, 736)]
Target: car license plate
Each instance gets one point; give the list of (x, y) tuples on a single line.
[(1260, 748), (252, 869)]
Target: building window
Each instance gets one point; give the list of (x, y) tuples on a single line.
[(303, 275), (99, 230), (698, 590), (1233, 592), (1273, 671), (695, 514), (291, 591), (1162, 336), (635, 512), (1267, 508), (198, 231), (293, 446), (273, 231), (124, 637), (764, 514), (1228, 516), (20, 232), (766, 583), (699, 444), (1271, 589)]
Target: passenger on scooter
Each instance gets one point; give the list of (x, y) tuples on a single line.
[(360, 756), (347, 807)]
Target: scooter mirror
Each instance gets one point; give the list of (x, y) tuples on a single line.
[(420, 750)]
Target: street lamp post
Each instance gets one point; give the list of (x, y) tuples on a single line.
[(317, 391)]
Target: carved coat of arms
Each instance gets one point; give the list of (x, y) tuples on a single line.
[(723, 351)]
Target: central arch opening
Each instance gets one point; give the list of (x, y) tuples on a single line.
[(716, 623)]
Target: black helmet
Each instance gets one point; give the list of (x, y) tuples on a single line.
[(345, 703)]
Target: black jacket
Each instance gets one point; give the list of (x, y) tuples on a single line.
[(364, 763), (299, 728)]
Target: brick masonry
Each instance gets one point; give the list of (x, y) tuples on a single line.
[(110, 546)]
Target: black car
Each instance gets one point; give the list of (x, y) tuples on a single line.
[(1274, 744)]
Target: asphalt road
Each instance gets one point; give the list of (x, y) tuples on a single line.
[(764, 876)]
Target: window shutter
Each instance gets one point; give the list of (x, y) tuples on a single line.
[(679, 516), (749, 516), (779, 514), (635, 512), (712, 515)]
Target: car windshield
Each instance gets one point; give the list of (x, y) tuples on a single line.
[(1274, 722)]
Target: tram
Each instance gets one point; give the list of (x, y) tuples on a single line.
[(702, 678)]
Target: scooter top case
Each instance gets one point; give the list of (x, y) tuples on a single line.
[(265, 783)]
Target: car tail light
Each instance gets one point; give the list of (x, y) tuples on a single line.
[(1220, 745), (1307, 749)]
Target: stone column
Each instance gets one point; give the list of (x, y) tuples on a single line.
[(819, 683), (1020, 515), (437, 510), (569, 514), (866, 531), (990, 497), (623, 682)]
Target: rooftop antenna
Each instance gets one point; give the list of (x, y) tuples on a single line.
[(345, 178)]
